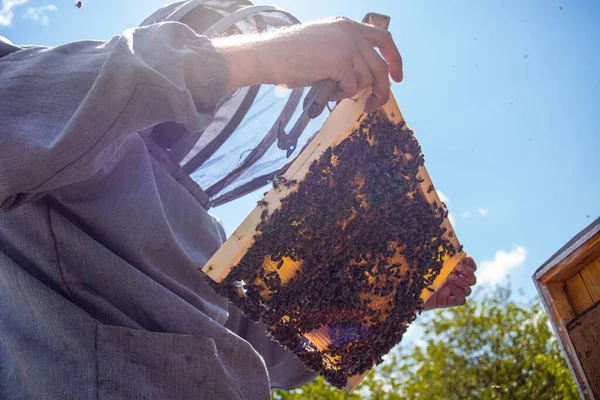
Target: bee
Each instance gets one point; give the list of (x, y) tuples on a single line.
[(264, 215), (262, 203), (277, 180), (430, 189), (289, 183), (79, 4)]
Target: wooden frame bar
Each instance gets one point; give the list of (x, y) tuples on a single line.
[(344, 119)]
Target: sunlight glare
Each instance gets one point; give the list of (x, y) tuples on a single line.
[(281, 91)]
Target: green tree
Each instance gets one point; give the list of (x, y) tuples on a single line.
[(494, 347)]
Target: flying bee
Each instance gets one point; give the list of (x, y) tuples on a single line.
[(262, 203)]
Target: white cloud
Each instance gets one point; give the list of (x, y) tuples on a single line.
[(464, 215), (6, 13), (480, 210), (442, 196), (445, 199), (494, 271), (452, 219), (39, 14)]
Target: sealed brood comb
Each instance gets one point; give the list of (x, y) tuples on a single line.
[(341, 254)]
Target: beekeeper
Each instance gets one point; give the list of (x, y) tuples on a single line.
[(100, 243)]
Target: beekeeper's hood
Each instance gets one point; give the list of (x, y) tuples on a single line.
[(238, 152)]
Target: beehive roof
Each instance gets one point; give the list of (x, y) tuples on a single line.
[(571, 245)]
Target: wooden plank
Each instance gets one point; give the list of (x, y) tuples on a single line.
[(591, 277), (548, 271), (559, 317), (580, 298), (560, 304), (580, 254), (585, 335)]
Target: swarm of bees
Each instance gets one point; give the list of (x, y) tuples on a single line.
[(368, 245)]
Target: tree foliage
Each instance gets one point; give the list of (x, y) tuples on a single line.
[(494, 347)]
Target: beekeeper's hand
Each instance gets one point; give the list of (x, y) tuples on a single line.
[(336, 48), (457, 287)]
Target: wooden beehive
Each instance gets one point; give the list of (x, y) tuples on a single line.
[(345, 119), (569, 287)]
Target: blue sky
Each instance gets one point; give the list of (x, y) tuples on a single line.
[(503, 96)]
